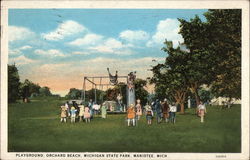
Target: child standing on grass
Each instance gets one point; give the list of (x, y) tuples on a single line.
[(202, 111), (68, 109), (165, 110), (63, 113), (81, 112), (138, 109), (173, 109), (90, 106), (131, 115), (104, 110), (73, 114), (87, 114), (158, 109), (149, 115)]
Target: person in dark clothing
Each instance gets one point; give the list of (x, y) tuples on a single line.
[(158, 110), (165, 110)]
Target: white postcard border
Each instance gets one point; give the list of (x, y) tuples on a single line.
[(244, 5)]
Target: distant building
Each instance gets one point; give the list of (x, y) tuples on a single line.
[(223, 100)]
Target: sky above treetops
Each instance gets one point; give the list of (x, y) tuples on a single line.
[(57, 47)]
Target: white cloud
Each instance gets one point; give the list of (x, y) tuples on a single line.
[(113, 43), (25, 47), (21, 60), (19, 33), (102, 49), (166, 29), (101, 60), (132, 36), (112, 46), (88, 39), (52, 68), (65, 29), (14, 52), (80, 53), (19, 50), (51, 53)]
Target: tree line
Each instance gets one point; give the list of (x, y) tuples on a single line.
[(27, 89), (23, 90), (210, 56)]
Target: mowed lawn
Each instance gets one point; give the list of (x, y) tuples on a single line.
[(36, 127)]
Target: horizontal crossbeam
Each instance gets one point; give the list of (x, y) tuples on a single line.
[(90, 81), (106, 77)]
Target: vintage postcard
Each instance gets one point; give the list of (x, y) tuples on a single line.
[(139, 80)]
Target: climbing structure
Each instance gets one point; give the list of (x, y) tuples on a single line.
[(97, 81), (131, 88)]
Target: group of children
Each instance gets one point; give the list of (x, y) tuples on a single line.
[(84, 113), (161, 110), (71, 112)]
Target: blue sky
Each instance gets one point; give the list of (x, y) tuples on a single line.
[(56, 47)]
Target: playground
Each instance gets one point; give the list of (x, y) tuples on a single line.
[(35, 127), (102, 82)]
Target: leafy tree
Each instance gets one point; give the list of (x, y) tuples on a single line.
[(215, 47), (25, 90), (199, 62), (45, 91), (29, 88), (90, 94), (170, 78), (34, 88), (205, 95), (74, 93), (13, 83), (140, 92), (111, 94), (225, 32)]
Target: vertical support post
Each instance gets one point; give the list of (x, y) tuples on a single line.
[(100, 82), (84, 88), (130, 96), (93, 83), (101, 88), (84, 91), (95, 93)]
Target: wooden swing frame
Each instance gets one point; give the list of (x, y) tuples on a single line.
[(91, 79)]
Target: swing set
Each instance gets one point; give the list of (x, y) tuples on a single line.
[(93, 80)]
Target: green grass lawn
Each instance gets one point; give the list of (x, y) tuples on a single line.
[(36, 127)]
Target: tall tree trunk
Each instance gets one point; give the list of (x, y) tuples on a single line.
[(180, 99), (182, 108), (194, 90), (197, 97)]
